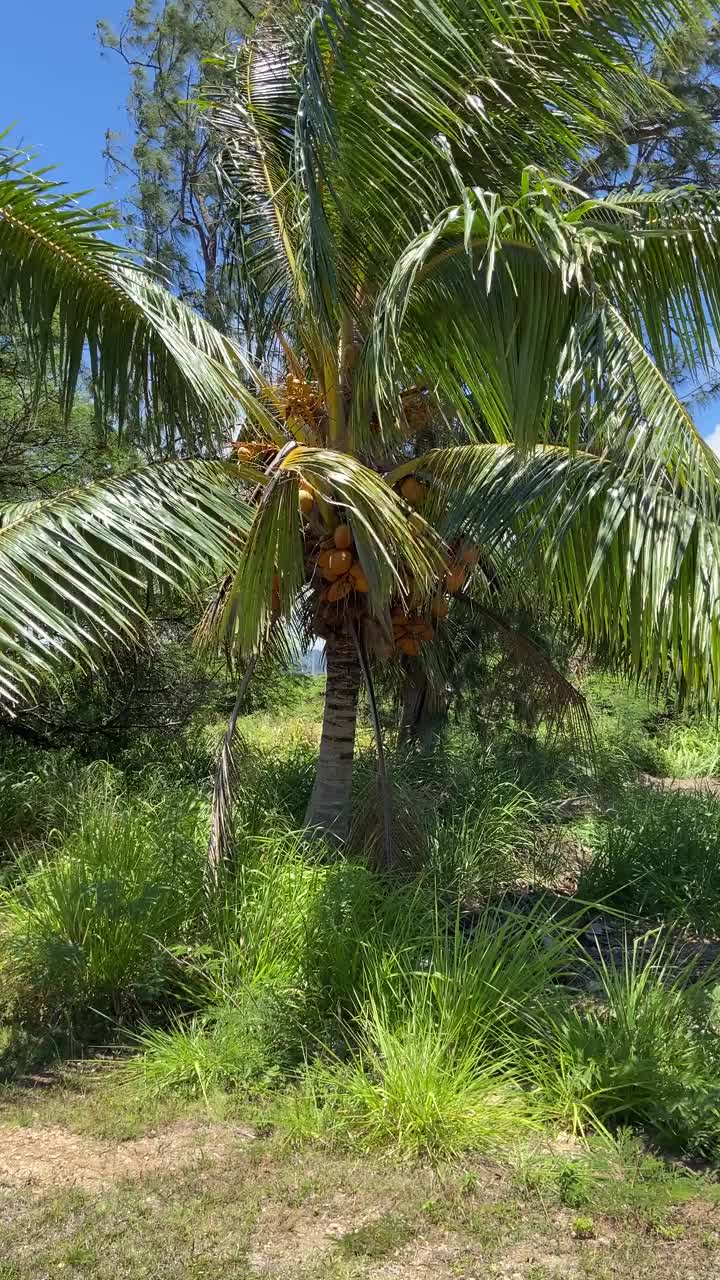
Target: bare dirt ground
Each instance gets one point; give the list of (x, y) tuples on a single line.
[(200, 1197)]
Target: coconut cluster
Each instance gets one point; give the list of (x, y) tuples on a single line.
[(341, 585)]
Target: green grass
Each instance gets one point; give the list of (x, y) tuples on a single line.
[(656, 855), (643, 1053), (87, 919), (416, 1013), (244, 1205)]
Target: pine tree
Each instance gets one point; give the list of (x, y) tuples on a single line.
[(173, 208)]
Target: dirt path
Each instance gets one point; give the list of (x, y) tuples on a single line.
[(56, 1158)]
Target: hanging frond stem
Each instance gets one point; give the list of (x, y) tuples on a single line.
[(221, 843)]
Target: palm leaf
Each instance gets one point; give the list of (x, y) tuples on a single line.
[(510, 302), (75, 568), (636, 572), (157, 366)]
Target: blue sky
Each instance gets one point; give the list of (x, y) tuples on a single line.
[(63, 93), (58, 87)]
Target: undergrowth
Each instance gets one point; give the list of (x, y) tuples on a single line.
[(429, 1013)]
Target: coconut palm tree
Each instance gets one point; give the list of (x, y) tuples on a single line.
[(394, 174)]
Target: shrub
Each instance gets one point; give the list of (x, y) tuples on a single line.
[(36, 789), (657, 854), (90, 921), (641, 1055)]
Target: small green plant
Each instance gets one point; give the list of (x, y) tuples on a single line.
[(574, 1184), (377, 1239), (583, 1228), (670, 1231)]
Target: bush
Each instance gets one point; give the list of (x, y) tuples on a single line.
[(642, 1055), (90, 921), (36, 790), (658, 855), (233, 1046)]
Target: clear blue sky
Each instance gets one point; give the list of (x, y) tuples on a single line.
[(58, 87), (64, 93)]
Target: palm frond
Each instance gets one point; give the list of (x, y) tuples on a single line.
[(636, 572), (460, 95), (505, 309), (74, 568), (156, 365)]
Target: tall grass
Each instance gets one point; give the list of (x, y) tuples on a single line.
[(657, 854), (690, 750), (414, 1087), (643, 1053), (37, 789), (415, 1012), (89, 921)]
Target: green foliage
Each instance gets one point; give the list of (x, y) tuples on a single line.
[(377, 1014), (657, 855), (87, 923), (690, 750), (414, 1090), (234, 1047), (643, 1055), (36, 788)]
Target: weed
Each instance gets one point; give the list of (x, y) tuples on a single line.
[(583, 1228), (657, 855), (377, 1239), (234, 1046)]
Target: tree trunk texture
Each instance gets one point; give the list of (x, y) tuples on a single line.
[(424, 716), (330, 808)]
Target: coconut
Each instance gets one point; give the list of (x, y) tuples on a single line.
[(470, 555), (439, 607), (408, 645), (412, 491), (339, 589), (357, 577), (307, 500), (339, 562), (455, 579), (343, 537)]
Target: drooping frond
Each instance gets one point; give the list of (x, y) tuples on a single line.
[(637, 573), (74, 569), (156, 365), (515, 312)]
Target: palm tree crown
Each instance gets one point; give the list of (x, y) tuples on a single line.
[(465, 388)]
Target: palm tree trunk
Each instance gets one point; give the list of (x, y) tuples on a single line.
[(330, 807), (424, 716)]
